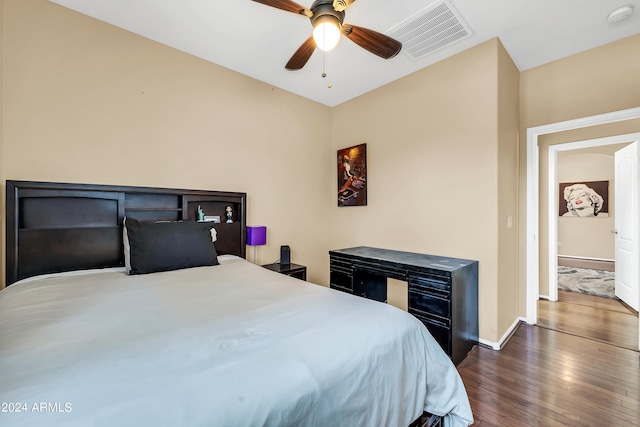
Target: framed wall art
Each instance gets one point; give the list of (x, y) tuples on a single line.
[(584, 199), (352, 176)]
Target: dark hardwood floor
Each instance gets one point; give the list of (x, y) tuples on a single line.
[(603, 319), (544, 377)]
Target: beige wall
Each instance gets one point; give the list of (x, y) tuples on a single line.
[(597, 81), (587, 237), (432, 165), (88, 102), (507, 220)]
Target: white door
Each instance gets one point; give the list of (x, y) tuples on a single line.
[(627, 237)]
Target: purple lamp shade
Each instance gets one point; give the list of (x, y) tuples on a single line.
[(256, 235)]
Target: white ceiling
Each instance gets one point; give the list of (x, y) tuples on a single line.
[(257, 40)]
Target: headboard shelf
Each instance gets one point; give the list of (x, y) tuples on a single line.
[(54, 227), (153, 209), (38, 229)]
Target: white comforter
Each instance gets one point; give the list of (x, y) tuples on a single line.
[(230, 345)]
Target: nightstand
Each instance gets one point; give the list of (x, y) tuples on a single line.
[(294, 270)]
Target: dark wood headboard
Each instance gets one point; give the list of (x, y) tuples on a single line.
[(55, 227)]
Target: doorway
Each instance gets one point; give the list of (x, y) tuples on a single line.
[(554, 150), (587, 243), (532, 218)]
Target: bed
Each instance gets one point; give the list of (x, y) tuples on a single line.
[(227, 343)]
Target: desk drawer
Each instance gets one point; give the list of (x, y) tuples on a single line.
[(341, 280), (340, 264), (430, 303), (434, 285), (440, 331)]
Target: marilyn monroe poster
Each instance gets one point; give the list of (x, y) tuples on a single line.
[(582, 199)]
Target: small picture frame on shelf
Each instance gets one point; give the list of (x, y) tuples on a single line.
[(212, 218)]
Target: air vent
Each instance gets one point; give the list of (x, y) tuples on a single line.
[(433, 28)]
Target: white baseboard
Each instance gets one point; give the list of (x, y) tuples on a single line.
[(498, 345), (591, 263), (581, 257)]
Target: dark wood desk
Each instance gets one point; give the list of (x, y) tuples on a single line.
[(443, 292)]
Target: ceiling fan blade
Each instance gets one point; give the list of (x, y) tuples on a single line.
[(288, 5), (373, 41), (302, 55)]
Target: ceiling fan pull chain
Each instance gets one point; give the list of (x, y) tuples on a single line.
[(324, 66)]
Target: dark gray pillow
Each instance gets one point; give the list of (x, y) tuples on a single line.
[(165, 246)]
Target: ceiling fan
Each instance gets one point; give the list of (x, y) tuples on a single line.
[(327, 17)]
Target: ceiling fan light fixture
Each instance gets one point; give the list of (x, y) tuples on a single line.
[(327, 17), (326, 32)]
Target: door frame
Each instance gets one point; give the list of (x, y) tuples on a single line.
[(553, 196), (533, 202)]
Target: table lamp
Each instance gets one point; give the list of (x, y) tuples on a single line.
[(256, 236)]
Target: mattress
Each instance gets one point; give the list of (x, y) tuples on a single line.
[(228, 345)]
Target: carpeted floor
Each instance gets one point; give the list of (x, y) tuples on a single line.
[(592, 282)]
